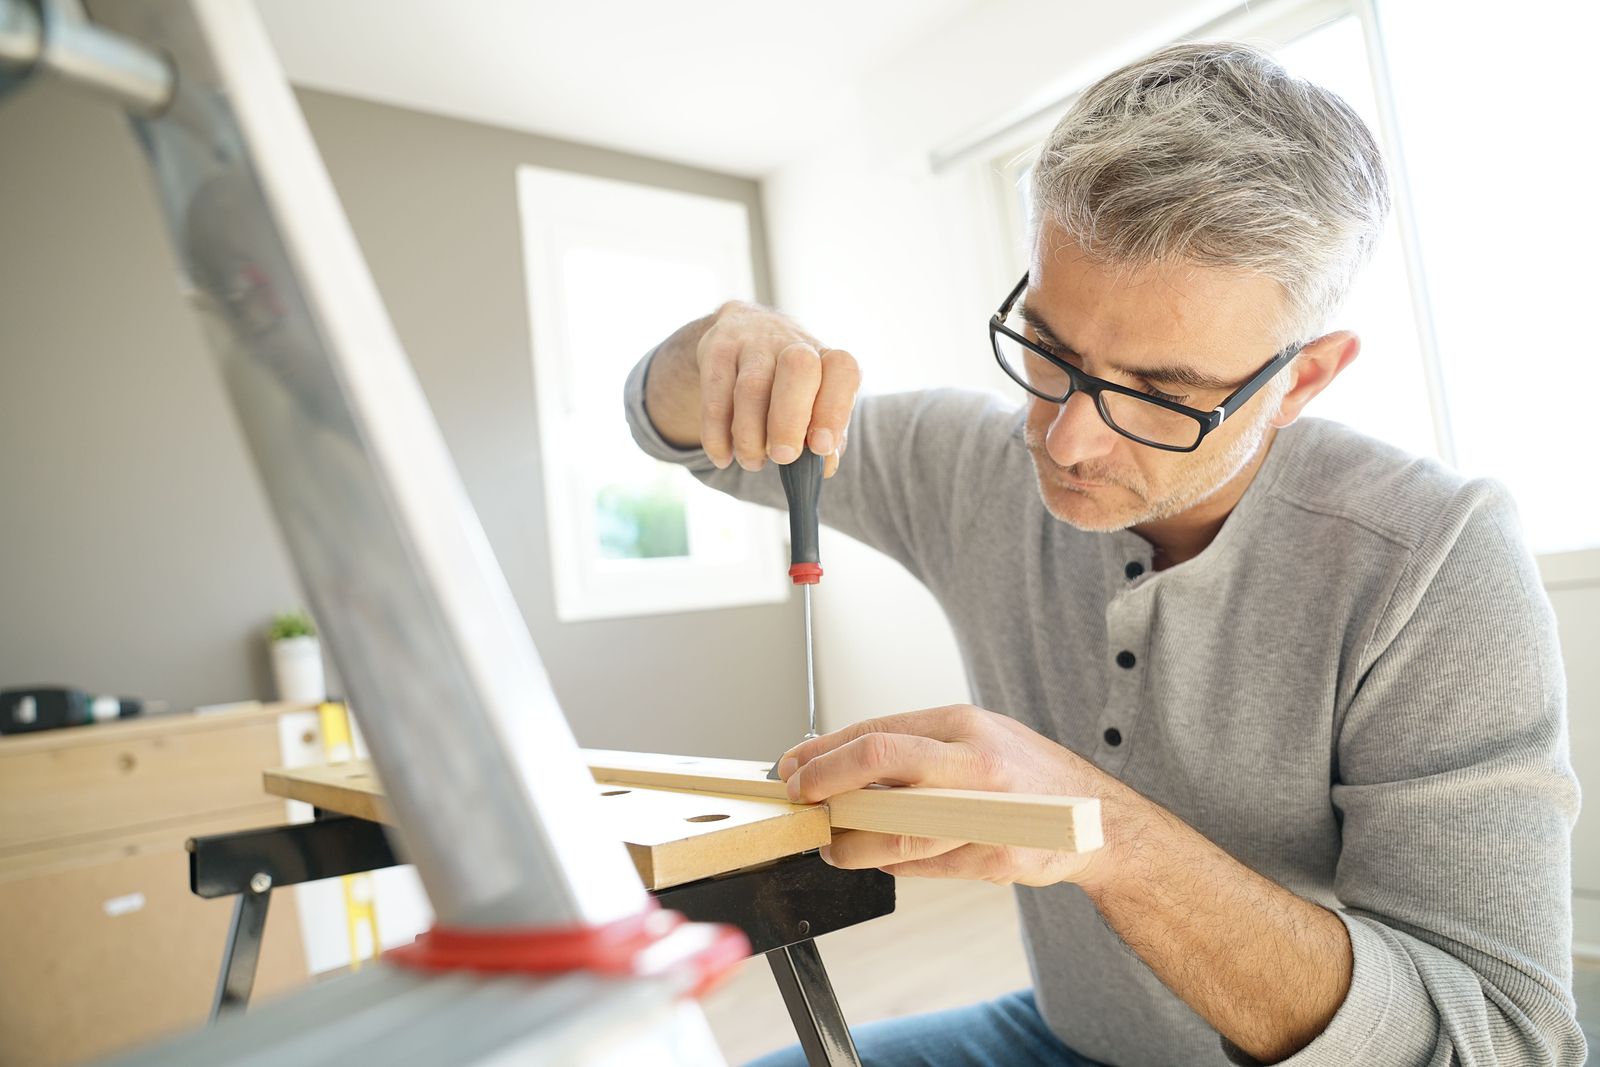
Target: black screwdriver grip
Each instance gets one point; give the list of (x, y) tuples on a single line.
[(802, 484)]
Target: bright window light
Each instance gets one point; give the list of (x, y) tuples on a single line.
[(1384, 393), (613, 268), (1491, 108)]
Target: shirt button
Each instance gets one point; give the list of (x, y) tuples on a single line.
[(1113, 736), (1133, 570), (1126, 660)]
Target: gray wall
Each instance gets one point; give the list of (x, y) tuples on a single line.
[(137, 554)]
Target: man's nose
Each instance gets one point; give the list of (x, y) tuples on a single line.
[(1077, 432)]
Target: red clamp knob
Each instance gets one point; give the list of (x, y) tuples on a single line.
[(653, 942)]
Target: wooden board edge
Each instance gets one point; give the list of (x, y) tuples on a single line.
[(1066, 824), (1088, 832), (360, 804), (741, 846), (685, 781)]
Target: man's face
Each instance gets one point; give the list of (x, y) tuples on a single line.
[(1113, 323)]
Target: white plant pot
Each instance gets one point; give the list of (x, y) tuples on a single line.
[(297, 668)]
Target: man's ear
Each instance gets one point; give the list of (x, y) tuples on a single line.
[(1317, 365)]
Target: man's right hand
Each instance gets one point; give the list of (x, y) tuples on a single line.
[(747, 384)]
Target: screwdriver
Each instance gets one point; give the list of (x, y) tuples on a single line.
[(802, 485)]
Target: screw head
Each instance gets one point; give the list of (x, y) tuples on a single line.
[(804, 928), (260, 882)]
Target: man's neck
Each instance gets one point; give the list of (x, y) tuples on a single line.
[(1185, 535)]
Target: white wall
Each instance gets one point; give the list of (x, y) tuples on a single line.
[(877, 254)]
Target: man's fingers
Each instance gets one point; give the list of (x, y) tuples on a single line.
[(830, 468), (886, 759), (813, 747), (770, 392), (719, 369), (943, 724), (998, 864), (794, 391), (835, 399), (752, 394), (989, 863), (859, 850)]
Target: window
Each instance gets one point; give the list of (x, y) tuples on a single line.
[(1438, 330), (1385, 392), (612, 269), (1490, 105)]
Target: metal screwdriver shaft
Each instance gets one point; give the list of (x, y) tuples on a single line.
[(802, 485), (811, 673)]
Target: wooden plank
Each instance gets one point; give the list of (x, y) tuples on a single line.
[(347, 788), (673, 836), (745, 778), (1067, 824), (1028, 820)]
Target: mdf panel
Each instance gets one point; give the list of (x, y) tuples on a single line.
[(98, 958)]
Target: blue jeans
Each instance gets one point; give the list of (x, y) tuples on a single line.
[(1007, 1032)]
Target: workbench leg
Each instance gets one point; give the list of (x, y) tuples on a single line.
[(815, 1012), (240, 954)]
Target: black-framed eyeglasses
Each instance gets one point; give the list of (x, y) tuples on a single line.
[(1138, 416)]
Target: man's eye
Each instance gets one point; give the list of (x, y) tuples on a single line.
[(1065, 357), (1168, 397)]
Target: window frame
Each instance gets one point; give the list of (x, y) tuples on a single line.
[(562, 211)]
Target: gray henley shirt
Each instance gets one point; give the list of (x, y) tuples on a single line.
[(1355, 690)]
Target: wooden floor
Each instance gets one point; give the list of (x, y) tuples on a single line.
[(948, 943)]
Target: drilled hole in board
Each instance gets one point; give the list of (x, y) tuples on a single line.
[(615, 792), (705, 818)]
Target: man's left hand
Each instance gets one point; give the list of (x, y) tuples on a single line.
[(953, 747)]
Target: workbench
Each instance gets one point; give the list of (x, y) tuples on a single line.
[(714, 858)]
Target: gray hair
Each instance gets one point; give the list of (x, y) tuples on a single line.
[(1211, 153)]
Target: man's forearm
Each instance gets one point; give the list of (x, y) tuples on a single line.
[(1266, 968), (672, 390)]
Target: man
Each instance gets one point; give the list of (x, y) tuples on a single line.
[(1313, 681)]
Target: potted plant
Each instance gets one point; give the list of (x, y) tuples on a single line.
[(297, 658)]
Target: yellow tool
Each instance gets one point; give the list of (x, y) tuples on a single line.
[(360, 903)]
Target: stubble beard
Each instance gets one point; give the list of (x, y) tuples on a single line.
[(1194, 484)]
